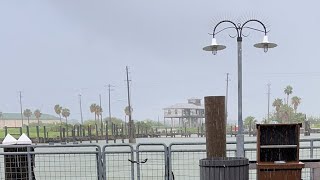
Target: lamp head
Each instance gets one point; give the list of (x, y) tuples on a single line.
[(214, 47), (265, 44)]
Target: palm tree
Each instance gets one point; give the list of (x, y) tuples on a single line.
[(277, 103), (66, 113), (27, 113), (288, 91), (38, 114), (93, 109), (295, 101), (126, 110), (98, 111), (58, 110), (1, 115)]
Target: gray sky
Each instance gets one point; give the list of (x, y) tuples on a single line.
[(51, 50)]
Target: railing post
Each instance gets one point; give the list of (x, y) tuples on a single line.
[(311, 148), (29, 163)]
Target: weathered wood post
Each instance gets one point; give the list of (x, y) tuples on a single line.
[(166, 132), (5, 131), (107, 133), (38, 133), (60, 129), (28, 132), (89, 133), (20, 131), (64, 134), (216, 126), (44, 134), (217, 166), (122, 135), (97, 135), (78, 130)]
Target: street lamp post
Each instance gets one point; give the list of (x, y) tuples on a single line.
[(214, 47)]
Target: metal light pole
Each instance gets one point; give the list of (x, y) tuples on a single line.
[(214, 47)]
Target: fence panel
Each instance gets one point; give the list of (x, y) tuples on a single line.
[(54, 162), (118, 162), (152, 161)]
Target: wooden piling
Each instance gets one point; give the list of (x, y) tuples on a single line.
[(215, 126), (5, 131), (60, 129), (122, 135), (44, 134), (97, 135), (28, 132), (64, 134), (20, 131), (89, 133), (38, 133), (107, 133)]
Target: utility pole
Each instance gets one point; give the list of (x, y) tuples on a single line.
[(80, 109), (268, 101), (101, 125), (20, 97), (227, 92), (109, 94), (131, 124)]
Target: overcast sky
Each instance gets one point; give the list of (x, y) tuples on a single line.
[(52, 50)]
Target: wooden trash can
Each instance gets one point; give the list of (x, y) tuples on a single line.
[(278, 152), (224, 168)]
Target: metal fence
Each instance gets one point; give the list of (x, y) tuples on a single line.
[(50, 162), (178, 161)]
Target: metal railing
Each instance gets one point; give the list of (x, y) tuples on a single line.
[(50, 162), (178, 161)]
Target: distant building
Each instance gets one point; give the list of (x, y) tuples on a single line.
[(189, 114), (14, 119)]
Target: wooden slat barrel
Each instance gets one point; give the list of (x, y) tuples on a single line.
[(224, 168)]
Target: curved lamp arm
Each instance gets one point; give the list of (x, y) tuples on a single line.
[(225, 21), (253, 20)]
